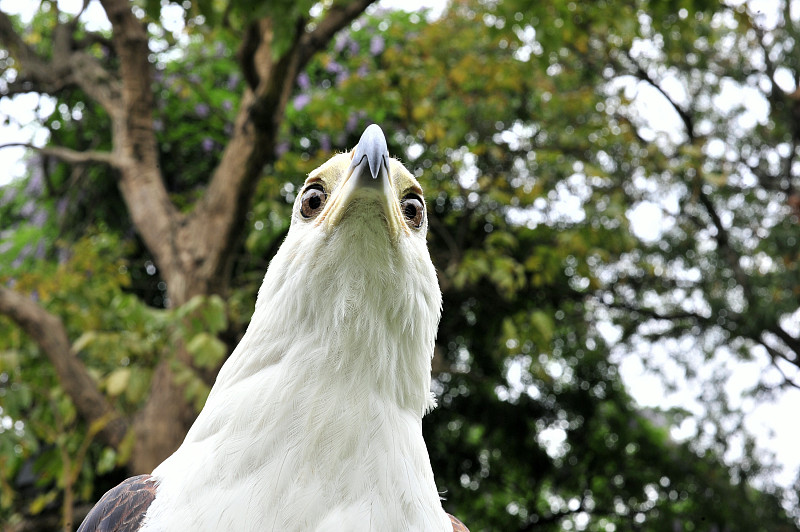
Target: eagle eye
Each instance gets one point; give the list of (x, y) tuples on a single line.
[(312, 201), (413, 210)]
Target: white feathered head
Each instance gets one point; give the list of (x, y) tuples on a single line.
[(354, 278)]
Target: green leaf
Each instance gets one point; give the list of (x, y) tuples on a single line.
[(83, 341), (543, 324), (41, 501), (107, 461), (214, 314), (138, 386), (207, 350), (117, 381)]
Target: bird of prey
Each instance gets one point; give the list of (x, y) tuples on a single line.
[(315, 421)]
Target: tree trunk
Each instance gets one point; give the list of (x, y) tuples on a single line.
[(162, 424)]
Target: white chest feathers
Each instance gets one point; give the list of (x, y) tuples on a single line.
[(315, 421), (362, 470)]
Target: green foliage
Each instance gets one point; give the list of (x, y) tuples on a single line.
[(516, 117), (197, 99), (117, 336), (113, 329)]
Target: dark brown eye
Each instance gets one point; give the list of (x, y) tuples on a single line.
[(413, 210), (313, 201)]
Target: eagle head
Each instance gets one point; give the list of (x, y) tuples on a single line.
[(354, 276)]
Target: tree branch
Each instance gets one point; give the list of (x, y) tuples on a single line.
[(35, 74), (730, 255), (134, 121), (775, 357), (790, 341), (775, 93), (66, 154), (337, 18), (135, 147), (27, 84), (686, 117), (89, 38), (16, 45), (721, 233), (49, 333), (656, 315), (70, 65)]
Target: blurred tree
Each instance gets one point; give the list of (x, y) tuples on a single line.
[(521, 121)]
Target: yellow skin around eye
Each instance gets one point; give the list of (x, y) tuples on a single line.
[(333, 176)]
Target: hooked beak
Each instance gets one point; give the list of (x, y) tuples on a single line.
[(367, 177)]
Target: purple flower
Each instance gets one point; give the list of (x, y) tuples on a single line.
[(28, 209), (201, 110), (281, 148), (233, 80), (39, 218), (7, 196), (300, 101), (352, 123), (227, 105), (207, 144), (376, 44), (303, 81), (325, 142), (333, 67), (36, 182), (61, 206), (341, 41), (24, 253), (40, 250), (63, 255), (363, 70)]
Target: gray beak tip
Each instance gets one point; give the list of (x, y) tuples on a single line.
[(372, 145)]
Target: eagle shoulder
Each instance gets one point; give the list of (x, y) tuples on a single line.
[(123, 507)]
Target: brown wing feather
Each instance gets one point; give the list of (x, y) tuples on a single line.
[(122, 508), (458, 526)]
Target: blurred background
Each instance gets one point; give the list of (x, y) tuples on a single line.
[(613, 191)]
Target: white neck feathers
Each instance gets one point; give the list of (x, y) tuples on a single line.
[(314, 422)]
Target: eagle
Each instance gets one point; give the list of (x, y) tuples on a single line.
[(314, 422)]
